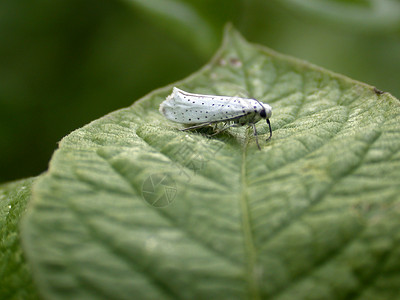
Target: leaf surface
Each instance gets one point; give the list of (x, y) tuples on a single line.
[(133, 206), (15, 276)]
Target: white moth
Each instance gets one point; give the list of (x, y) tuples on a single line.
[(202, 110)]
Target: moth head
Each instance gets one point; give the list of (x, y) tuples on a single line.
[(266, 113)]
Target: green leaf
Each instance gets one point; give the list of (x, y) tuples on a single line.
[(133, 206), (182, 20), (15, 276), (366, 15)]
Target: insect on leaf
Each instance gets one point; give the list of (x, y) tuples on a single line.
[(132, 205)]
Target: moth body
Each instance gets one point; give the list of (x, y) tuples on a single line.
[(201, 110)]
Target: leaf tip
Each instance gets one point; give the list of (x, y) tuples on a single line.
[(231, 33)]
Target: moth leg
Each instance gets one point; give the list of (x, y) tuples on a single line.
[(223, 129), (256, 135), (196, 126)]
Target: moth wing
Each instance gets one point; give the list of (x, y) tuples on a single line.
[(187, 108), (178, 109)]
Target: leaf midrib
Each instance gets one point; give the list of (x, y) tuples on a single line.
[(249, 247), (248, 239)]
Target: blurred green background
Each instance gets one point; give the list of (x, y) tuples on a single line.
[(65, 63)]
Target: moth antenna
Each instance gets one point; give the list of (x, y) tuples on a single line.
[(270, 130)]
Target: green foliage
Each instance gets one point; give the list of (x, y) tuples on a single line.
[(366, 15), (313, 215), (65, 63), (15, 276), (179, 18)]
